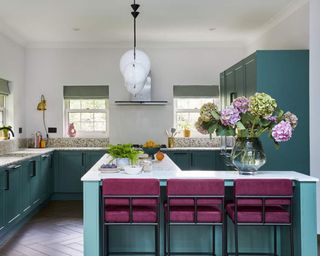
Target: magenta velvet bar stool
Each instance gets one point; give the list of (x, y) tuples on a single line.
[(261, 202), (130, 202), (194, 202)]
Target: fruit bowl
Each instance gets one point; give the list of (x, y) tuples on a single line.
[(132, 169), (151, 151)]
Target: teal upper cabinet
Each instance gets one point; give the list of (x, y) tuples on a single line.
[(12, 193), (71, 168), (283, 74), (2, 203)]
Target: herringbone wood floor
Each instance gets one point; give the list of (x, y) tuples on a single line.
[(55, 231)]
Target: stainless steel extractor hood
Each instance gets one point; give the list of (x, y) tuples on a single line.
[(143, 97)]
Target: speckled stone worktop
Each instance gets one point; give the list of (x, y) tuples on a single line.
[(27, 153)]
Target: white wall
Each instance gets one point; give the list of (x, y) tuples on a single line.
[(12, 69), (47, 70), (314, 93), (291, 33)]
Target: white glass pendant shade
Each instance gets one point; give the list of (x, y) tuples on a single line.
[(141, 58), (135, 78), (135, 88)]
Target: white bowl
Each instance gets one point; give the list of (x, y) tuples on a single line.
[(132, 169)]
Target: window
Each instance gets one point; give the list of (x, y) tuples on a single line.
[(188, 100), (187, 111), (89, 116), (2, 110)]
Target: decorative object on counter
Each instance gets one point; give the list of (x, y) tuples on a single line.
[(159, 156), (37, 139), (132, 169), (135, 64), (42, 106), (248, 119), (72, 131), (43, 143), (109, 168), (5, 132), (124, 154), (171, 140), (150, 148), (186, 130)]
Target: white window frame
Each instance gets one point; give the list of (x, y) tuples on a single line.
[(194, 133), (4, 110), (82, 134)]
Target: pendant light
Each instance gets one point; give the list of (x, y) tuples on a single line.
[(135, 64)]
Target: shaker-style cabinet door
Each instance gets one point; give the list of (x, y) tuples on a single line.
[(250, 74), (35, 181), (203, 160), (2, 203), (46, 177), (12, 193), (182, 160), (71, 169), (92, 157), (25, 192)]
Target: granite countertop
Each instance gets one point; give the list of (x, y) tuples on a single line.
[(28, 153), (167, 169), (194, 148)]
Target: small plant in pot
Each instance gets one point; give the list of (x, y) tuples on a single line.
[(125, 155), (186, 129)]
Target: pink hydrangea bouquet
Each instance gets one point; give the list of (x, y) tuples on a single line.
[(248, 118)]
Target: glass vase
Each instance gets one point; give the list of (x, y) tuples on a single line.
[(248, 155)]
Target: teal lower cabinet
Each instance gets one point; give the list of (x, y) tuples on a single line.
[(12, 199), (35, 181), (92, 157), (203, 160), (46, 176), (25, 194), (2, 205), (71, 168), (187, 159)]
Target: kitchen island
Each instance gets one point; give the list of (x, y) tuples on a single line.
[(197, 238)]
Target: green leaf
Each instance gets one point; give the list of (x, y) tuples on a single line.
[(240, 126), (213, 128), (215, 115)]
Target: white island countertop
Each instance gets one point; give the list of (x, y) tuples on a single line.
[(167, 169)]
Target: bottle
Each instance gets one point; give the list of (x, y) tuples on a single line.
[(37, 138), (43, 143)]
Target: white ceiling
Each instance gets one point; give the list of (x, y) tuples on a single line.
[(109, 21)]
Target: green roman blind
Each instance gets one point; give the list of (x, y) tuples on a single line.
[(4, 87), (195, 91), (86, 92)]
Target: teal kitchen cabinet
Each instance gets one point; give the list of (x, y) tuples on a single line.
[(92, 157), (283, 74), (203, 160), (25, 192), (187, 159), (46, 176), (71, 167), (2, 202), (181, 158), (12, 197), (35, 180)]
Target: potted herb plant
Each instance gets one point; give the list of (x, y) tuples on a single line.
[(247, 119), (124, 154)]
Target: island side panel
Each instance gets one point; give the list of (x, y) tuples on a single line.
[(91, 218), (305, 219)]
